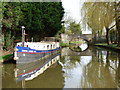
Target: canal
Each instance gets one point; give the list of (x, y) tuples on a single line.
[(93, 68)]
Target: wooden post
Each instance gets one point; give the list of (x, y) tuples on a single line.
[(23, 84), (23, 36), (32, 39)]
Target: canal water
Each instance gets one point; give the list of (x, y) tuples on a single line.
[(93, 68)]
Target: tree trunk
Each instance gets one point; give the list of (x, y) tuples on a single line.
[(118, 71), (118, 29), (107, 35), (107, 58), (117, 10)]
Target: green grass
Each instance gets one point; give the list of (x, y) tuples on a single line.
[(101, 44), (105, 44), (64, 44), (5, 57), (77, 42), (111, 45)]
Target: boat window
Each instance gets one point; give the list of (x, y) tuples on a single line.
[(51, 46), (51, 62), (47, 46), (48, 64), (44, 47), (54, 46)]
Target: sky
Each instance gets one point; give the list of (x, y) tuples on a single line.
[(72, 8)]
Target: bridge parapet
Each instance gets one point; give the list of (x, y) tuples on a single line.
[(67, 38)]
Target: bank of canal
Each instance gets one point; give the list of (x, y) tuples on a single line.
[(112, 47), (94, 68), (5, 56)]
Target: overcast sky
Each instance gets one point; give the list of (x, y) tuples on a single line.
[(73, 9)]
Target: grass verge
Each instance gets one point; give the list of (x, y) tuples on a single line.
[(5, 57), (112, 47), (105, 44), (64, 44)]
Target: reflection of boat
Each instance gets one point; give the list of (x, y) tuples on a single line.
[(28, 71), (32, 51)]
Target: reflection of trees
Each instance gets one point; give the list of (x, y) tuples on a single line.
[(70, 64), (102, 72), (118, 72), (70, 61), (107, 59), (99, 74), (74, 59), (8, 77)]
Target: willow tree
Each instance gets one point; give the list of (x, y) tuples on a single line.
[(99, 15), (117, 18)]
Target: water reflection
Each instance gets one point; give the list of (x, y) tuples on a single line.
[(29, 71), (96, 68), (83, 46), (101, 70), (73, 67), (78, 45)]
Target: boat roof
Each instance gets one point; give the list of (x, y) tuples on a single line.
[(42, 42)]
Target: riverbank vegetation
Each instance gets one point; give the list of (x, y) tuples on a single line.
[(69, 28), (6, 57), (104, 20), (41, 19)]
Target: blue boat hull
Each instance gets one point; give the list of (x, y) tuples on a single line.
[(27, 55)]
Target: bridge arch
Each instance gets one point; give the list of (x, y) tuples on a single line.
[(65, 38)]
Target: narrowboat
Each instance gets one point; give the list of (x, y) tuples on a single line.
[(33, 51)]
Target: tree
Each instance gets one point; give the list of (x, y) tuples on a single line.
[(117, 19), (40, 19), (11, 16), (99, 15), (75, 28)]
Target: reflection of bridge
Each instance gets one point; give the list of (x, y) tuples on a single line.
[(66, 38), (69, 52), (86, 37)]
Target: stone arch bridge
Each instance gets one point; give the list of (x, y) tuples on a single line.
[(65, 38)]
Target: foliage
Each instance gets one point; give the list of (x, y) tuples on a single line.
[(71, 26), (12, 15), (99, 15), (75, 28), (40, 19)]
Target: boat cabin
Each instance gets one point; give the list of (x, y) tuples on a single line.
[(40, 45)]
